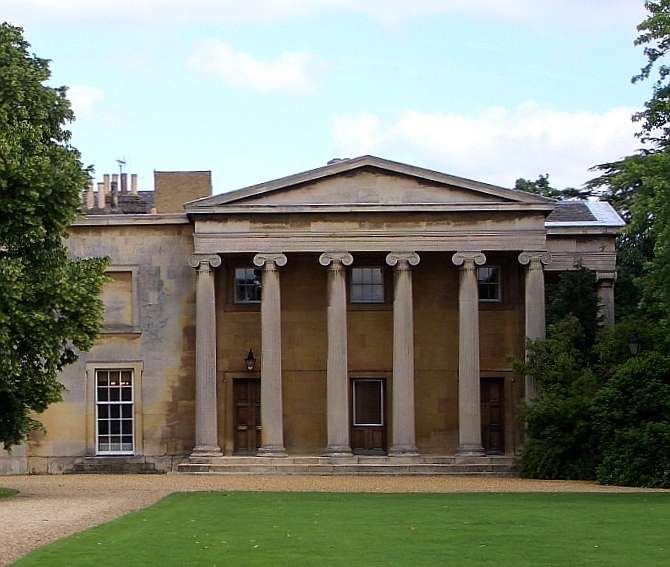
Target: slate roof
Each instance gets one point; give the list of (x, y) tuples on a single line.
[(584, 213)]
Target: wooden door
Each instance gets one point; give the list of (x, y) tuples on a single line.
[(493, 415), (247, 414), (368, 422)]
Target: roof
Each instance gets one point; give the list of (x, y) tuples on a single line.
[(584, 213), (347, 165)]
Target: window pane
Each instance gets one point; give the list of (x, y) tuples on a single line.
[(126, 394), (103, 427), (368, 402), (102, 378), (489, 283), (127, 427), (367, 285), (103, 411), (248, 285), (114, 394), (114, 411), (127, 410), (126, 378)]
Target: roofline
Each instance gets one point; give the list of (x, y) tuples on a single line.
[(133, 219), (472, 206), (358, 162)]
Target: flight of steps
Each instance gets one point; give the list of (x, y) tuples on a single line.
[(113, 465), (355, 465)]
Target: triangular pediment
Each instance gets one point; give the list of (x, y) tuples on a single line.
[(366, 181)]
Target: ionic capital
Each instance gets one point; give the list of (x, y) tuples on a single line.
[(605, 278), (534, 259), (270, 261), (402, 260), (468, 260), (336, 259), (203, 262)]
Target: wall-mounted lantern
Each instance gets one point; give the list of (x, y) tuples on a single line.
[(634, 344), (250, 360)]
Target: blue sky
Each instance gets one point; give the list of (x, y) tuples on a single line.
[(487, 89)]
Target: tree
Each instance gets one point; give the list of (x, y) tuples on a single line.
[(640, 184), (541, 186), (49, 304)]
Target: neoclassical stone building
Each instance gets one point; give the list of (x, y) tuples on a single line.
[(365, 312)]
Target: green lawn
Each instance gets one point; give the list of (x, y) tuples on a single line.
[(378, 529), (7, 492)]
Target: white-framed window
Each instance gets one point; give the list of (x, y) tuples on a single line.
[(248, 285), (366, 285), (488, 278), (368, 402), (114, 411)]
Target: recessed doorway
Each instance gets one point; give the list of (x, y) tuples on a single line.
[(247, 416), (368, 420), (493, 415)]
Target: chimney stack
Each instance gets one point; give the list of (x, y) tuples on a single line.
[(124, 183), (133, 183)]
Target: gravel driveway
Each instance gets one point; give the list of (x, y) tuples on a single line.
[(50, 507)]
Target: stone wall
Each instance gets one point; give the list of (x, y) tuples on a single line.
[(161, 344)]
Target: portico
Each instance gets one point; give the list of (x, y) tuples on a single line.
[(426, 231)]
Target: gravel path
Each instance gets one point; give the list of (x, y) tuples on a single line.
[(51, 507)]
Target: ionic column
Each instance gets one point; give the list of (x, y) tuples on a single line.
[(403, 440), (535, 308), (469, 412), (337, 377), (272, 415), (605, 282), (206, 430)]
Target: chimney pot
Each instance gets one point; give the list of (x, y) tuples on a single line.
[(133, 183), (124, 183), (90, 196), (101, 194)]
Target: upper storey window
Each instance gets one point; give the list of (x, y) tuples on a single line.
[(248, 285), (488, 278), (367, 285)]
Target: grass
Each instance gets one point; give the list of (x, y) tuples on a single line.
[(354, 530), (4, 492)]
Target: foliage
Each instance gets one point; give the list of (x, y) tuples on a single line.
[(560, 432), (541, 186), (330, 529), (575, 294), (49, 304), (632, 416)]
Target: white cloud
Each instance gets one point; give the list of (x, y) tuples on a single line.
[(83, 98), (498, 144), (289, 72), (574, 13)]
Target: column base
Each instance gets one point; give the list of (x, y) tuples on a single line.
[(337, 451), (271, 451), (403, 451), (470, 450), (206, 451)]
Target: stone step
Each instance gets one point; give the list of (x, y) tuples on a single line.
[(349, 469), (113, 465), (353, 460)]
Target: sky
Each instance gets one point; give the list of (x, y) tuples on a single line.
[(253, 90)]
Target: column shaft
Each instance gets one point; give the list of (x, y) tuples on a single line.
[(534, 305), (272, 415), (206, 424), (337, 376), (469, 411), (605, 282), (403, 440)]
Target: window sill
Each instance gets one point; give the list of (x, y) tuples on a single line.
[(128, 330)]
